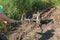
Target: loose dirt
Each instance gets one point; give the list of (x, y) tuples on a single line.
[(31, 31)]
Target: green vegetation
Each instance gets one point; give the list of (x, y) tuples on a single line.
[(15, 8)]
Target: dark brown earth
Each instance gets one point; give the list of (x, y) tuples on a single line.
[(31, 31)]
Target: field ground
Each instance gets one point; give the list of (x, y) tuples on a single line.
[(30, 31)]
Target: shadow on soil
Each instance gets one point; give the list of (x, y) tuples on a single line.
[(47, 35), (45, 22)]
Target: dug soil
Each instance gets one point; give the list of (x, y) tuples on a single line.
[(31, 31)]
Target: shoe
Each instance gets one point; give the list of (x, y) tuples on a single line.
[(3, 36)]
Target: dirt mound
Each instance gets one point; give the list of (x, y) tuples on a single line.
[(31, 31)]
